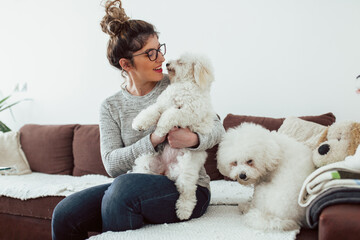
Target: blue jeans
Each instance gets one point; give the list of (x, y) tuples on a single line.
[(131, 201)]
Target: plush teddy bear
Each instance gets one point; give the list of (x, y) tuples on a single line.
[(338, 141)]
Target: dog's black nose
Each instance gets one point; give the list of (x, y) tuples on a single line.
[(168, 64), (324, 149), (242, 176)]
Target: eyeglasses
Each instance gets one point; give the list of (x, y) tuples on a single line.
[(153, 53)]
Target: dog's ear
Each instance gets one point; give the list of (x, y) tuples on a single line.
[(273, 156), (271, 153), (323, 137), (202, 74), (354, 139)]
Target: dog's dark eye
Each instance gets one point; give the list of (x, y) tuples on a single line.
[(250, 162), (233, 164)]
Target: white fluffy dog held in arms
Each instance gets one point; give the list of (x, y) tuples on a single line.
[(276, 165), (184, 103)]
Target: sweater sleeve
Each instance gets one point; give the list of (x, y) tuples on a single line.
[(209, 140), (117, 158)]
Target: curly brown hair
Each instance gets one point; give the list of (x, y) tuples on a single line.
[(126, 35)]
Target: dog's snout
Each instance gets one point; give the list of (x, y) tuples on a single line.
[(242, 176), (168, 64), (324, 149)]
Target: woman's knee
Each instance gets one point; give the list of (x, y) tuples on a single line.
[(120, 207), (60, 213), (62, 219), (78, 213), (121, 194)]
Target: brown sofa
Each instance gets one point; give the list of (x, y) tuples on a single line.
[(75, 150)]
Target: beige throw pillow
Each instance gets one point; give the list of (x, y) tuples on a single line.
[(303, 131), (12, 157)]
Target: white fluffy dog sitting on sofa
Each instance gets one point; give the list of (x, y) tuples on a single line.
[(276, 164), (184, 103)]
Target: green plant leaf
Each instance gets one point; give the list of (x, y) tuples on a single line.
[(4, 105), (4, 128), (9, 106), (3, 102), (4, 99)]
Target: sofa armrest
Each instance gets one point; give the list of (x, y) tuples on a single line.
[(340, 221)]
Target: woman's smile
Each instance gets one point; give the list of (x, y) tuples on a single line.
[(158, 69)]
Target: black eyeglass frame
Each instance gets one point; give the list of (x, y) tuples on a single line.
[(152, 49)]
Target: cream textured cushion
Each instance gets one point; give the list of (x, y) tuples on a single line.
[(303, 131), (11, 154)]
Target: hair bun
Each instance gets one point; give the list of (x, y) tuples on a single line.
[(115, 18)]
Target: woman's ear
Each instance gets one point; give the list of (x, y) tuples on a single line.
[(125, 64)]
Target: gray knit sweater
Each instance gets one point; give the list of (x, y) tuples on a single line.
[(121, 145)]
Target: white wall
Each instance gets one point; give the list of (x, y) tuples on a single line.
[(273, 58)]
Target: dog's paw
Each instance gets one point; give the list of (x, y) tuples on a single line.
[(183, 214), (184, 208), (138, 125), (244, 207), (160, 131)]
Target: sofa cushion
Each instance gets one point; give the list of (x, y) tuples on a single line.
[(12, 156), (48, 148), (38, 207), (22, 227), (86, 147), (303, 131), (340, 221), (232, 120)]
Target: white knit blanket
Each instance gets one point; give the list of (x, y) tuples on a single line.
[(36, 184), (229, 192), (219, 222)]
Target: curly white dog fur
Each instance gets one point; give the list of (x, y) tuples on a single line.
[(184, 103), (276, 164)]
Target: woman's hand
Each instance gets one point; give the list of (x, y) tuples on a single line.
[(182, 138), (156, 140)]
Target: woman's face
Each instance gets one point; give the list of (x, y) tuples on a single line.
[(145, 70)]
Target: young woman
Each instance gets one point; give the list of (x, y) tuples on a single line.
[(132, 199)]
